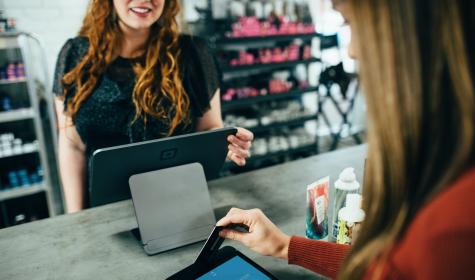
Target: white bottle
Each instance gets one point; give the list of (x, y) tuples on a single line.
[(345, 184), (349, 219)]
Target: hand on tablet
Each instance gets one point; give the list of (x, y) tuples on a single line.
[(263, 237), (239, 146)]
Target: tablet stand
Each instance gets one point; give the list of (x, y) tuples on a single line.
[(172, 206)]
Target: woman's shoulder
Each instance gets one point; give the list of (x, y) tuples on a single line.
[(448, 213), (441, 234), (74, 47), (69, 56), (452, 205)]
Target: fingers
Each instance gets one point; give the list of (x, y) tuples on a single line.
[(233, 235), (243, 153), (245, 144), (234, 216), (244, 134), (239, 146), (236, 159)]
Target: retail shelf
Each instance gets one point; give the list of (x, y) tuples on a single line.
[(30, 122), (8, 41), (21, 191), (266, 66), (19, 154), (257, 39), (16, 115), (10, 34), (227, 105), (302, 120), (9, 82), (290, 152)]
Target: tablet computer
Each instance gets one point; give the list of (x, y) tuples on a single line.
[(112, 167), (230, 264), (227, 263)]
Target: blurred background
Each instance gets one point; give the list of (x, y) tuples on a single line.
[(285, 75)]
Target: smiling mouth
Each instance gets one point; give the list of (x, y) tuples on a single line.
[(140, 11)]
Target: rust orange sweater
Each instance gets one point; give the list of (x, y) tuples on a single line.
[(438, 244)]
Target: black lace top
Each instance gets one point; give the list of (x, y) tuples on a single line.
[(105, 118)]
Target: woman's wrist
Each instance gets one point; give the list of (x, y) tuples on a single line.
[(283, 247)]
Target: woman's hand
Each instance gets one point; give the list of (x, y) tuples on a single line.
[(239, 146), (263, 237)]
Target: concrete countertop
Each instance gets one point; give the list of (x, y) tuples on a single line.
[(97, 243)]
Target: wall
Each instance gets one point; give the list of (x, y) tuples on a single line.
[(54, 21)]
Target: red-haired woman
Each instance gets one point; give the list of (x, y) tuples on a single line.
[(128, 77)]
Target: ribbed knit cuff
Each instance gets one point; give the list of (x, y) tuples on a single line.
[(321, 257)]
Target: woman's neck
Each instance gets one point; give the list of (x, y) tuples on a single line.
[(133, 41)]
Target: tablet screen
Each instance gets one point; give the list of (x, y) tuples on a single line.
[(234, 269)]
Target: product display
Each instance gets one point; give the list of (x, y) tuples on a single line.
[(291, 52), (252, 27), (10, 146), (22, 178), (317, 208), (240, 121), (292, 110), (346, 184), (7, 24), (12, 71), (349, 219), (293, 139), (5, 103), (278, 82), (265, 49), (27, 158)]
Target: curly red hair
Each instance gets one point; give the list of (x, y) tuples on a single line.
[(101, 28)]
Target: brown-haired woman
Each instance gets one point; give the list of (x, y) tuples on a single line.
[(417, 71), (130, 76)]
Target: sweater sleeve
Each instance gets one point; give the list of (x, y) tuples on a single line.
[(321, 257)]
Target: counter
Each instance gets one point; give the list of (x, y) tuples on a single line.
[(97, 243)]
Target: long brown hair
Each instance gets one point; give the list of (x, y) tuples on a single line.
[(417, 77), (158, 82)]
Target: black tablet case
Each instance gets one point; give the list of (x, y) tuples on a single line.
[(112, 167)]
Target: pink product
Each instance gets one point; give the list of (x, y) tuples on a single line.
[(303, 84), (293, 52), (252, 27), (307, 52), (240, 93), (274, 55), (12, 71), (20, 70), (279, 86), (265, 56), (276, 86)]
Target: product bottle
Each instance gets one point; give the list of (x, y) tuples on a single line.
[(349, 219), (345, 184)]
